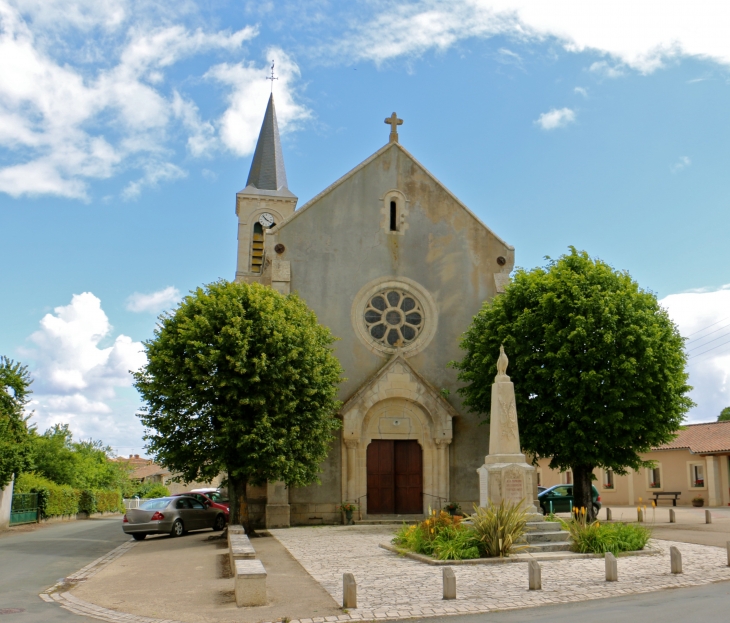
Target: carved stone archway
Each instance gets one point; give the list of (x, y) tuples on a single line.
[(397, 403)]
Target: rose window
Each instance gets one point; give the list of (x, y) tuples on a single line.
[(394, 318)]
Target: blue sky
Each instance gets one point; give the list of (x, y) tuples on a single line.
[(126, 128)]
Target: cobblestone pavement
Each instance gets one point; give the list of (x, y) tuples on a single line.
[(389, 586)]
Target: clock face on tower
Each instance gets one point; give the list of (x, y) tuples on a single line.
[(266, 220)]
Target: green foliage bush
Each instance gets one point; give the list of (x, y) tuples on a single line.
[(498, 528), (56, 500), (153, 490), (599, 538), (441, 536)]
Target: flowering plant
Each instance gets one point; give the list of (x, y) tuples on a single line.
[(654, 485), (699, 483), (348, 507), (453, 507), (608, 485)]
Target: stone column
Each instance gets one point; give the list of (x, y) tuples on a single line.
[(442, 471), (278, 511), (724, 480), (630, 483), (713, 499), (6, 501), (351, 462)]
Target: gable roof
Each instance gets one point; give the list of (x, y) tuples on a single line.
[(705, 438), (365, 163)]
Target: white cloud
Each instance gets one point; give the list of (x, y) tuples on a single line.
[(704, 318), (556, 118), (76, 379), (581, 91), (70, 115), (155, 172), (682, 163), (153, 303), (602, 68), (241, 122), (640, 35)]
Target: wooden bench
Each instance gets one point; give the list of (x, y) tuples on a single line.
[(676, 495), (250, 583), (239, 548)]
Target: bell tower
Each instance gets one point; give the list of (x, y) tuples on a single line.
[(265, 202)]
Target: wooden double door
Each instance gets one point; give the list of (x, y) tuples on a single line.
[(395, 477)]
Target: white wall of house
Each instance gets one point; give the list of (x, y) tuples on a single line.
[(6, 501)]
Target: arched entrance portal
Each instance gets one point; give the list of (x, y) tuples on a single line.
[(394, 477)]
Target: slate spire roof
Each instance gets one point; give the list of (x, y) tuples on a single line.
[(267, 169)]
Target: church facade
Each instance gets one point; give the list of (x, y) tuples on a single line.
[(396, 266)]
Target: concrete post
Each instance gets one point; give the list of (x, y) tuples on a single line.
[(727, 545), (708, 516), (672, 516), (639, 515), (349, 591), (534, 575), (712, 481), (449, 583), (609, 514), (676, 559), (611, 568)]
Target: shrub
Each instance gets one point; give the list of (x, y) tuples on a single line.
[(440, 535), (108, 501), (598, 538), (53, 500), (498, 528), (87, 502), (154, 490)]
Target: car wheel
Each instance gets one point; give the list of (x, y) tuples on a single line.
[(596, 508), (177, 528), (220, 523), (138, 537)]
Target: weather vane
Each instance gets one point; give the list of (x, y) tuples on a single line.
[(272, 77)]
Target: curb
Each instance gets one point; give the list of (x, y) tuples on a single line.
[(544, 557)]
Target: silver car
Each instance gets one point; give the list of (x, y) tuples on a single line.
[(173, 515)]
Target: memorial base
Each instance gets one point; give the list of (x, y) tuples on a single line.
[(505, 480)]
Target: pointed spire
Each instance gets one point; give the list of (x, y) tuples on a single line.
[(267, 169)]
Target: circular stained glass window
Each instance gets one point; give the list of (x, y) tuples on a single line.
[(394, 318)]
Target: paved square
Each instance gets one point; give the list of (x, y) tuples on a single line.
[(390, 586)]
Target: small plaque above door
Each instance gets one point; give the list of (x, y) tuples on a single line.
[(394, 426)]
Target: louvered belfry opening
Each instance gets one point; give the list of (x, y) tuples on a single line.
[(257, 248)]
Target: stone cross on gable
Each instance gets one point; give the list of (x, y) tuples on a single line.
[(394, 123)]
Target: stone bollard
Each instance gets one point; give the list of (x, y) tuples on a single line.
[(611, 568), (449, 583), (609, 514), (349, 591), (728, 553), (672, 516), (708, 516), (534, 575), (639, 515), (676, 559)]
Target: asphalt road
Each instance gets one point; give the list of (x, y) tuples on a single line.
[(31, 561)]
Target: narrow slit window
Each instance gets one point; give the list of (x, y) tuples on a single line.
[(257, 248), (393, 216)]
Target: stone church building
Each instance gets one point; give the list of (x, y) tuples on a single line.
[(396, 266)]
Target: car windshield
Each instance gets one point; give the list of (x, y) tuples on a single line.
[(155, 505), (217, 496)]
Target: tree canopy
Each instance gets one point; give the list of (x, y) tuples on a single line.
[(724, 415), (15, 443), (241, 379), (598, 366)]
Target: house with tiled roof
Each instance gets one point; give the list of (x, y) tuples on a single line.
[(694, 464)]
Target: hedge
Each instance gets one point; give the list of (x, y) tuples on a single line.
[(56, 500)]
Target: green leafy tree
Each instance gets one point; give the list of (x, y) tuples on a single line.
[(724, 415), (598, 366), (240, 379), (15, 442)]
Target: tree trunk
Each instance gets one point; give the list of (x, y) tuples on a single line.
[(239, 502), (583, 490)]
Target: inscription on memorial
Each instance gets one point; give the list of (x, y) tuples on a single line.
[(513, 488)]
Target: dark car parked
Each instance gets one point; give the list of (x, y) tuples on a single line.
[(172, 515), (559, 499), (212, 499)]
